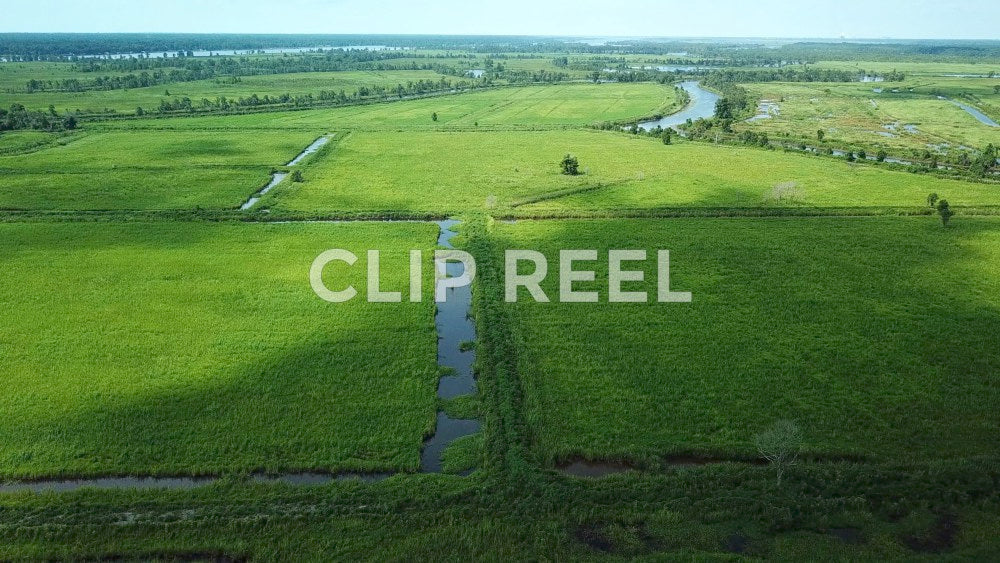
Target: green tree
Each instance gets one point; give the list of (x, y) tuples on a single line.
[(944, 211), (881, 155), (434, 116), (140, 112), (667, 136), (820, 134), (723, 108), (570, 165), (932, 199), (297, 176), (862, 155)]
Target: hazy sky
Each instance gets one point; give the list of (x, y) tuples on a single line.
[(973, 19)]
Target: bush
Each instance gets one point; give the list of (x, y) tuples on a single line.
[(570, 165), (944, 211)]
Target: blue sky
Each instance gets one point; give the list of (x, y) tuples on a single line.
[(946, 19)]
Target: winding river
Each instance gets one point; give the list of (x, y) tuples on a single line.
[(702, 105)]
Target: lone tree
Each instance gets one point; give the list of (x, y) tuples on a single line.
[(881, 155), (780, 445), (668, 134), (570, 165), (932, 199), (434, 116), (297, 176), (820, 134), (944, 211)]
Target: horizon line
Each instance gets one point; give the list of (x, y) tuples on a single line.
[(545, 36)]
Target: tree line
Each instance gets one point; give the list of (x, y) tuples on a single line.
[(324, 97), (156, 72), (18, 117)]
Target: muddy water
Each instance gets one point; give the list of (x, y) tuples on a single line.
[(107, 483), (702, 105), (594, 469), (175, 483), (766, 109)]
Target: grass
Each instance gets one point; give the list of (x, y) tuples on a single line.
[(184, 348), (15, 142), (295, 84), (464, 171), (923, 68), (551, 106), (147, 170), (857, 115), (873, 334)]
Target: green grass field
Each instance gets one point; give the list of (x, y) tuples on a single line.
[(549, 106), (875, 335), (295, 84), (152, 329), (188, 348), (14, 77), (467, 171), (857, 115), (18, 142), (146, 170), (922, 68)]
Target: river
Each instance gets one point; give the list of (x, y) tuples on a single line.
[(702, 105)]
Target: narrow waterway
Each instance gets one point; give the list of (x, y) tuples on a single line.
[(315, 146), (455, 329), (982, 117), (277, 177)]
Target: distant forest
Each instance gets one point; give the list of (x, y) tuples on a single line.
[(57, 46)]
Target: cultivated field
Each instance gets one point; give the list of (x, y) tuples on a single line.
[(875, 335), (155, 331), (482, 171), (149, 98), (163, 348), (548, 106), (146, 170)]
